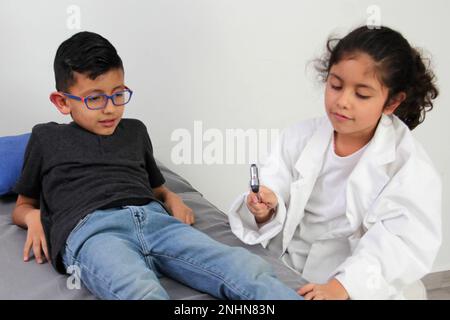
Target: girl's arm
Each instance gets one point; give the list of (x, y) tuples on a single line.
[(276, 175)]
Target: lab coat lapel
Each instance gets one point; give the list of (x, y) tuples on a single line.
[(369, 177), (308, 167)]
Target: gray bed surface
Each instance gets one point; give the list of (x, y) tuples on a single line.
[(29, 280)]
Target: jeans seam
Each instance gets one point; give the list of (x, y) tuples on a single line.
[(68, 251), (141, 241), (216, 274), (138, 228)]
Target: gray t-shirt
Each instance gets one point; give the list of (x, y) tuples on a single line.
[(73, 172)]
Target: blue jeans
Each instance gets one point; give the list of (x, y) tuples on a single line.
[(121, 253)]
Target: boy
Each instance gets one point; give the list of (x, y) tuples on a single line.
[(92, 196)]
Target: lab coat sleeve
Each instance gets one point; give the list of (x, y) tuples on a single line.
[(244, 226), (402, 239), (275, 175)]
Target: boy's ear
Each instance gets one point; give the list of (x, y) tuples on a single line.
[(394, 103), (60, 102)]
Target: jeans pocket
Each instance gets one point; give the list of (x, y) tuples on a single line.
[(80, 224), (156, 206)]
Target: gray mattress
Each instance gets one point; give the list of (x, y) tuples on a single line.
[(20, 280)]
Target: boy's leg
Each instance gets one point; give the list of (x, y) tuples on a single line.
[(111, 265), (193, 258)]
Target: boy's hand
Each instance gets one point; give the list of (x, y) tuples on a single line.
[(333, 290), (262, 206), (35, 238), (179, 210)]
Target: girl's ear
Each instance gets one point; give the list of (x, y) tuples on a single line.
[(394, 103)]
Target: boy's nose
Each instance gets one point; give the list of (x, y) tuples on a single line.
[(109, 107)]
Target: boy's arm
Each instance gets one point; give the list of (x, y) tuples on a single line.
[(25, 207), (26, 214), (175, 204)]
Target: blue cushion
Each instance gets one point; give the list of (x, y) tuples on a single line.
[(12, 150)]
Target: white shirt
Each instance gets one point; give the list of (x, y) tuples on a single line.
[(325, 209)]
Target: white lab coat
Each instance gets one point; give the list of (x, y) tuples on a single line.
[(393, 200)]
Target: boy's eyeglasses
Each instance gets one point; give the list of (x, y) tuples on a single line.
[(99, 101)]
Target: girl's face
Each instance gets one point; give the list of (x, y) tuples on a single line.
[(354, 97)]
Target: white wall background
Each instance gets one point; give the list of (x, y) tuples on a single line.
[(227, 63)]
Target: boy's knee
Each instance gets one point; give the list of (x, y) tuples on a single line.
[(144, 291), (154, 293), (253, 262)]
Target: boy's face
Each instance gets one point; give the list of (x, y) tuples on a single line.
[(104, 121)]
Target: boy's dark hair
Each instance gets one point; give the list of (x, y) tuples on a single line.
[(400, 68), (87, 53)]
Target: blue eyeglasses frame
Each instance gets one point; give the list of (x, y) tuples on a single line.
[(108, 97)]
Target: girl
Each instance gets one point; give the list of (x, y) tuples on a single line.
[(351, 201)]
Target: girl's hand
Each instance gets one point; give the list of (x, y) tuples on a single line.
[(35, 238), (263, 205), (179, 210), (333, 290)]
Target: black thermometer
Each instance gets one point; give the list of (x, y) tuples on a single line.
[(254, 178)]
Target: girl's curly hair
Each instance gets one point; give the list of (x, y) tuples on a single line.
[(399, 66)]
